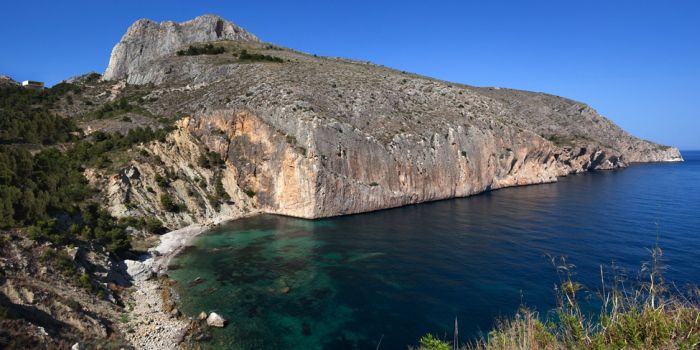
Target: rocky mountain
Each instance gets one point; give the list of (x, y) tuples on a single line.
[(146, 40), (313, 137)]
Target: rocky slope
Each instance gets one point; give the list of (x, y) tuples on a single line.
[(315, 137), (44, 302)]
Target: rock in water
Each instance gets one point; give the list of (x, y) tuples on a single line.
[(202, 316), (215, 320), (147, 40)]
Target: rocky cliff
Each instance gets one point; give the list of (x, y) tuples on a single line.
[(313, 137), (146, 40)]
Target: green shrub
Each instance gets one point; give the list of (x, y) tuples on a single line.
[(161, 181), (244, 55), (210, 160), (154, 225), (61, 261), (429, 342), (208, 49), (168, 204), (641, 314), (85, 282), (219, 189), (47, 230)]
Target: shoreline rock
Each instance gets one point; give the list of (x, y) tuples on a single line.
[(216, 320)]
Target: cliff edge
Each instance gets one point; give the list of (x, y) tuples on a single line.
[(314, 137), (146, 40)]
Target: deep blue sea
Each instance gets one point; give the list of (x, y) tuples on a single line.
[(394, 275)]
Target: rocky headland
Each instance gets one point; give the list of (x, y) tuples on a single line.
[(315, 137), (257, 128)]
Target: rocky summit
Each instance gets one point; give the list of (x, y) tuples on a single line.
[(146, 40), (314, 137)]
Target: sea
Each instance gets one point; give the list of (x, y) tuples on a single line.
[(384, 279)]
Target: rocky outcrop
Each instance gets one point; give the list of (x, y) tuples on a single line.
[(215, 320), (41, 303), (203, 193), (315, 137), (147, 40), (6, 81)]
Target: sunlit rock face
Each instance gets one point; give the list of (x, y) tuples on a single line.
[(314, 137), (146, 40)]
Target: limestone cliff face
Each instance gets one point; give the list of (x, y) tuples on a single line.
[(315, 137), (147, 40), (312, 170)]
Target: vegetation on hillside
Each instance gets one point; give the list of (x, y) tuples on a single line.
[(645, 314), (244, 55), (26, 115), (46, 192), (94, 151), (208, 49)]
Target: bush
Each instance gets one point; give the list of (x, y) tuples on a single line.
[(634, 315), (161, 181), (429, 342), (168, 204), (154, 225), (85, 282), (244, 55), (210, 159), (208, 49), (47, 230), (219, 189), (99, 225), (61, 261)]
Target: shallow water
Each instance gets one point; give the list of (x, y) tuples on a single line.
[(397, 274)]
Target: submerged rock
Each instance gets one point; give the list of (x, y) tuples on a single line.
[(215, 320), (195, 281)]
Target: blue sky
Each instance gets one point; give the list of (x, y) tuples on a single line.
[(636, 62)]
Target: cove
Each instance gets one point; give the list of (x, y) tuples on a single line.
[(393, 275)]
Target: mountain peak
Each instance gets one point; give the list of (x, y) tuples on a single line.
[(147, 40)]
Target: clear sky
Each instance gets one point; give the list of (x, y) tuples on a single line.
[(636, 61)]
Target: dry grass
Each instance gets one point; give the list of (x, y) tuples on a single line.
[(644, 314)]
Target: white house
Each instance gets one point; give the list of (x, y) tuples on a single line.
[(30, 84)]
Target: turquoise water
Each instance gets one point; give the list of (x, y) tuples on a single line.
[(347, 282)]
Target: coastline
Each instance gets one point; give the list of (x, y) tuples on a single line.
[(148, 325)]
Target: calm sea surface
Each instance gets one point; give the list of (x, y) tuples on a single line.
[(394, 275)]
